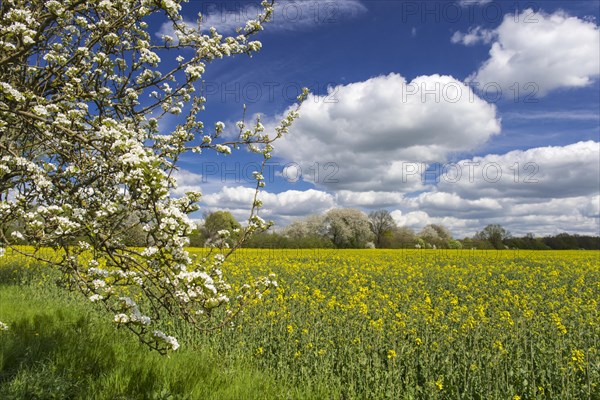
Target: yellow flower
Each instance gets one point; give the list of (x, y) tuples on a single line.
[(439, 383), (391, 354), (577, 360), (540, 389)]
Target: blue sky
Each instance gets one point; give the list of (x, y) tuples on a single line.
[(452, 112)]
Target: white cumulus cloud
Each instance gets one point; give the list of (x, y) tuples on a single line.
[(366, 136), (537, 173), (281, 207), (187, 181), (537, 51), (473, 36)]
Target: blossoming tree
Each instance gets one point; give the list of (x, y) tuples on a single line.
[(82, 89)]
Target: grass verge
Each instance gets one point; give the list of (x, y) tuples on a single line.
[(60, 347)]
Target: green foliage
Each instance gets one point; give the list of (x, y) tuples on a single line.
[(496, 237), (528, 242), (564, 241), (454, 244), (382, 226), (494, 234), (218, 221)]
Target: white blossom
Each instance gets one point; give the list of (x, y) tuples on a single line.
[(121, 318), (223, 149), (90, 163), (95, 297), (170, 340)]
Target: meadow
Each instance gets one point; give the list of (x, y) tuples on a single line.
[(343, 324)]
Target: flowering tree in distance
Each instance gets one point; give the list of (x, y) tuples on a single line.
[(82, 89)]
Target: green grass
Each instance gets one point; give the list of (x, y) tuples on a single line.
[(61, 347)]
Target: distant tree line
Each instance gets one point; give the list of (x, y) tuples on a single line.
[(352, 228)]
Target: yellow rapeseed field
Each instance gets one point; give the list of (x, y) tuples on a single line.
[(426, 323), (422, 324)]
